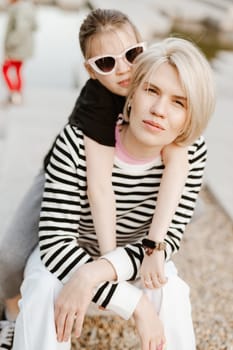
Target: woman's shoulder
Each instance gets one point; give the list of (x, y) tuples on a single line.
[(198, 150), (199, 143), (73, 131), (70, 141)]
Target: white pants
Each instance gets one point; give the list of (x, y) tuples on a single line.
[(35, 327)]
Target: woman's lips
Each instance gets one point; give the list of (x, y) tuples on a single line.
[(153, 125)]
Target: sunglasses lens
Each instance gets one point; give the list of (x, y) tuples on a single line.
[(105, 64), (133, 53)]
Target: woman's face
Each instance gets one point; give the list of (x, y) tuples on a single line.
[(113, 43), (158, 112)]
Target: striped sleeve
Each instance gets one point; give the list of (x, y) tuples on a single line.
[(127, 260), (60, 211), (59, 224)]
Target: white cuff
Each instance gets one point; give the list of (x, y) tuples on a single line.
[(124, 300), (121, 263)]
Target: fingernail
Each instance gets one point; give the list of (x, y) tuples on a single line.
[(160, 347)]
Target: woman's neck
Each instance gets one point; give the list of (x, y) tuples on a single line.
[(136, 148)]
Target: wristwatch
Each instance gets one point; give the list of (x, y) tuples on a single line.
[(149, 245)]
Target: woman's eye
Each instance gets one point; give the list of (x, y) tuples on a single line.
[(152, 90), (180, 103)]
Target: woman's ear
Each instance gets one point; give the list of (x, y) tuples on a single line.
[(128, 108), (90, 71)]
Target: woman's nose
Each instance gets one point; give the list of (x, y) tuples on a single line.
[(159, 107)]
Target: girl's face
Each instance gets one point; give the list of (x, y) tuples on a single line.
[(158, 112), (113, 43)]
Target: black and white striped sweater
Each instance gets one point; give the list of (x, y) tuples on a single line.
[(66, 234)]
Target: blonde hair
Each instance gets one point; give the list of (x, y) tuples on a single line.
[(195, 75)]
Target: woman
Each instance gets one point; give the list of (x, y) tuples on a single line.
[(171, 98)]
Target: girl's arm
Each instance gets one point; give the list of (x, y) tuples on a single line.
[(99, 159), (175, 159), (176, 163)]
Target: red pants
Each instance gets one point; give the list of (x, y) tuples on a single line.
[(12, 74)]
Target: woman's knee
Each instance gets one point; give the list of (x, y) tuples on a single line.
[(37, 278), (40, 286)]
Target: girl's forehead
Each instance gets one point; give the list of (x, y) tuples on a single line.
[(112, 41)]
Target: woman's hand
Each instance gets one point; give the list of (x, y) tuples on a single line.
[(73, 300), (152, 270), (148, 325), (72, 303)]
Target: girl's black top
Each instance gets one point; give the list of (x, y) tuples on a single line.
[(95, 113)]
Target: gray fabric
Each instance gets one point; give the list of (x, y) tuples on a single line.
[(20, 238)]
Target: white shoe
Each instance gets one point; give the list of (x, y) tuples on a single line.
[(16, 98)]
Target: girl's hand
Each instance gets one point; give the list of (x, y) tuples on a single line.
[(174, 153), (152, 270), (149, 326), (72, 303)]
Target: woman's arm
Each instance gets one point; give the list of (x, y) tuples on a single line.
[(59, 224), (60, 210), (74, 299), (101, 196)]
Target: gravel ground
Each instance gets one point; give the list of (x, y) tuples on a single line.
[(205, 261)]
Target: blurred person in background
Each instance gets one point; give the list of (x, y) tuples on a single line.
[(18, 45)]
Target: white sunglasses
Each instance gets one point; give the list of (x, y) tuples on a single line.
[(106, 64)]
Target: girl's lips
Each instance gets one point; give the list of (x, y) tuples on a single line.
[(124, 83), (154, 125)]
